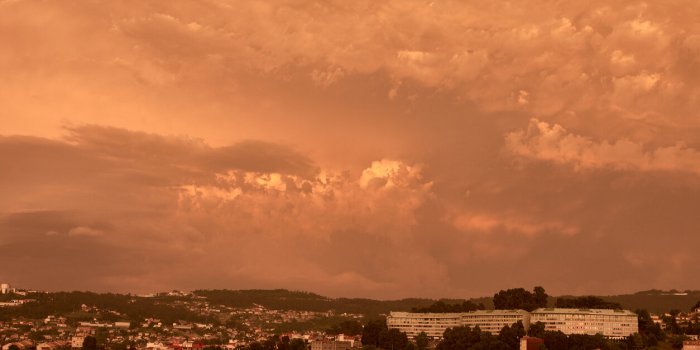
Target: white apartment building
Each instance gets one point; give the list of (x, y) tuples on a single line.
[(435, 324), (614, 324), (493, 321)]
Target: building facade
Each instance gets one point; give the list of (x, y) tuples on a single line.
[(331, 345), (614, 324), (493, 321), (76, 342), (691, 345), (531, 343), (435, 324)]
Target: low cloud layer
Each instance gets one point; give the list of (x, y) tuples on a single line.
[(350, 148)]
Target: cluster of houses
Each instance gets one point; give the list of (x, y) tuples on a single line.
[(236, 328), (119, 334)]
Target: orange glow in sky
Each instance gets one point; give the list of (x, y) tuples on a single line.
[(351, 148)]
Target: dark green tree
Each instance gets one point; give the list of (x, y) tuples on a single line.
[(651, 332), (466, 338), (372, 330), (671, 322), (585, 342), (677, 341), (422, 341), (556, 340), (540, 297), (297, 344), (510, 335), (693, 327), (283, 343), (460, 338), (489, 342), (393, 339), (635, 341), (90, 343), (519, 298), (586, 302), (256, 346), (101, 335), (536, 330), (347, 327), (271, 342), (442, 307)]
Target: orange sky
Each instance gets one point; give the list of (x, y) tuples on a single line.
[(351, 148)]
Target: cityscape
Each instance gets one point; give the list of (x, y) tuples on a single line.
[(239, 320)]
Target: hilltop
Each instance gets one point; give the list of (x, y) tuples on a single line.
[(655, 301), (166, 305)]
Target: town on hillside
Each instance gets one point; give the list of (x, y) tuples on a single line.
[(284, 320)]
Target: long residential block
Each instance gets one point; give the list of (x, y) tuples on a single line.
[(435, 324), (615, 324)]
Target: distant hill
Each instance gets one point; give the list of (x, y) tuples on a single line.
[(654, 301), (71, 304), (168, 308), (283, 299)]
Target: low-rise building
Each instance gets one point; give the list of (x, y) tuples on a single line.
[(531, 343), (331, 345), (157, 346), (51, 345), (691, 345), (77, 342), (22, 345)]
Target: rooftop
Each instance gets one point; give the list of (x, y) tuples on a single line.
[(456, 314), (583, 311)]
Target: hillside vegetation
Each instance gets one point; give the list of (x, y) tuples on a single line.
[(168, 308)]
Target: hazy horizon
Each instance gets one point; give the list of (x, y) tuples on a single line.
[(666, 292), (384, 150)]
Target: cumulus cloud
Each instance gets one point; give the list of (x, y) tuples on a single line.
[(568, 58), (552, 142), (199, 199), (388, 173), (328, 145)]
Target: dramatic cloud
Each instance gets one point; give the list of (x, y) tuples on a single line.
[(401, 148), (177, 196), (554, 143)]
